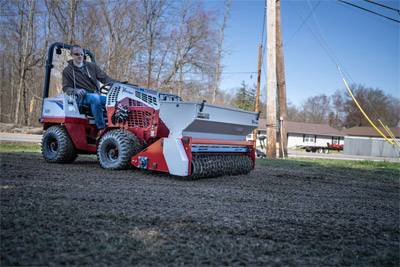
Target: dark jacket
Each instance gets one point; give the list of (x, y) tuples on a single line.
[(86, 79)]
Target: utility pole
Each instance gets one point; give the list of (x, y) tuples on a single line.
[(271, 79), (258, 90), (280, 74)]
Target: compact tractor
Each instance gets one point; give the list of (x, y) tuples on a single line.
[(149, 130)]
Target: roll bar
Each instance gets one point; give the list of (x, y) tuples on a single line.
[(49, 62)]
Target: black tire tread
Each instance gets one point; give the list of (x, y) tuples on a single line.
[(66, 149), (126, 150)]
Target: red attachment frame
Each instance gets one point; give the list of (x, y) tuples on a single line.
[(154, 155)]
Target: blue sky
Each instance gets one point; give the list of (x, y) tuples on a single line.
[(366, 45)]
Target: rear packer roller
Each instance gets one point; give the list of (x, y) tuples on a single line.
[(209, 165)]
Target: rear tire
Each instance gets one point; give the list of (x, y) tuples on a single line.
[(57, 146), (116, 148)]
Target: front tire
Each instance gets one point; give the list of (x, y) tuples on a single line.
[(57, 146), (115, 150)]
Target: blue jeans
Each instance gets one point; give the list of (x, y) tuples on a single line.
[(95, 101)]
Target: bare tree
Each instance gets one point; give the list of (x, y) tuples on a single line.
[(179, 44), (375, 103), (153, 11), (219, 53), (316, 109), (336, 115), (122, 34), (193, 48)]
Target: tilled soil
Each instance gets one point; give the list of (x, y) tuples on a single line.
[(300, 214)]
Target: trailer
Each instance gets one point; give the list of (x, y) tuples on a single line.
[(323, 149)]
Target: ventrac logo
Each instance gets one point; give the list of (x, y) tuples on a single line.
[(59, 103), (124, 90)]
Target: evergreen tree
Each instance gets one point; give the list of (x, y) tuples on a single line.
[(246, 98)]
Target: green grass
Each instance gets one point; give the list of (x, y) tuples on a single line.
[(18, 147), (365, 168), (363, 164)]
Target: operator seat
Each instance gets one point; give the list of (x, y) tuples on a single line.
[(85, 109)]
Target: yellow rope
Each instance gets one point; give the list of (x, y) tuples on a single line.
[(362, 111), (389, 132)]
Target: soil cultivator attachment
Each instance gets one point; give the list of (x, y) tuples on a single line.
[(150, 130)]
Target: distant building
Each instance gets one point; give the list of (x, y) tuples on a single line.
[(305, 134), (367, 141)]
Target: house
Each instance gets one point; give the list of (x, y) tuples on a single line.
[(305, 134), (367, 141)]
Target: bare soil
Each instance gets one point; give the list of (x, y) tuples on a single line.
[(279, 214)]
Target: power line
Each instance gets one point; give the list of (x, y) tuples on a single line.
[(375, 3), (398, 21), (336, 61), (368, 15), (304, 21), (265, 15)]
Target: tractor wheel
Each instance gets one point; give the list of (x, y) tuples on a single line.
[(57, 146), (135, 142), (115, 150)]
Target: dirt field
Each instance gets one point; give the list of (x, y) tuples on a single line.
[(296, 214)]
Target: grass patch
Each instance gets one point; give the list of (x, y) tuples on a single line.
[(371, 169), (18, 147), (364, 164)]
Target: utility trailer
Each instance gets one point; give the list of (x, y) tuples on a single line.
[(148, 129), (323, 149)]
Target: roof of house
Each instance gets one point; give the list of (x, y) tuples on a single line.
[(305, 128), (370, 132)]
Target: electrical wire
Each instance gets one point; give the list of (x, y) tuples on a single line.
[(373, 12), (388, 7), (351, 94), (265, 15), (304, 21), (387, 22), (337, 62)]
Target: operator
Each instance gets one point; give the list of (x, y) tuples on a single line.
[(80, 78)]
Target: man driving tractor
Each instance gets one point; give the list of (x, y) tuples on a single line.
[(80, 78)]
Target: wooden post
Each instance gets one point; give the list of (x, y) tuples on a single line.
[(271, 79), (280, 75), (258, 91)]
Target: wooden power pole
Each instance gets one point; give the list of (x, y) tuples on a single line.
[(280, 74), (258, 90), (271, 79)]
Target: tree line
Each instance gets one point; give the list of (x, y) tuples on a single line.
[(340, 111), (173, 46), (337, 110)]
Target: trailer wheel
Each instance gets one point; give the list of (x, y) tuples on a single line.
[(57, 146), (115, 150), (326, 151), (320, 150)]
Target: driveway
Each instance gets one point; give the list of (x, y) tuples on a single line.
[(19, 137)]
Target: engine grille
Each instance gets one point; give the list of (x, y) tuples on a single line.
[(139, 118), (146, 98), (113, 95), (134, 103)]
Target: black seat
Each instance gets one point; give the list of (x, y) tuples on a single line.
[(87, 110)]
